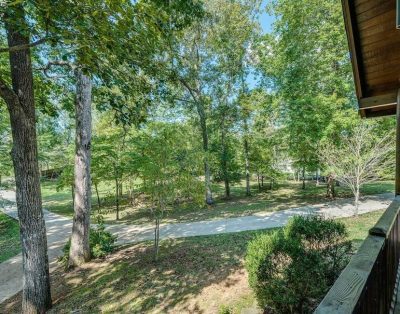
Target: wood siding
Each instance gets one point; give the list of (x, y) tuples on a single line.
[(374, 44)]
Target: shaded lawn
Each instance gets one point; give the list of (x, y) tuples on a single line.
[(286, 194), (195, 275), (9, 237)]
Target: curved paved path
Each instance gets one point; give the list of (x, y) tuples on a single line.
[(59, 229)]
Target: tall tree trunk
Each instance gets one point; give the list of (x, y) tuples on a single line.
[(262, 181), (80, 250), (130, 192), (117, 195), (157, 239), (356, 200), (304, 178), (73, 195), (330, 187), (98, 196), (246, 159), (36, 297), (224, 157), (204, 133), (258, 181)]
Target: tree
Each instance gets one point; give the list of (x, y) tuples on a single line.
[(20, 101), (169, 169), (80, 248), (205, 54), (110, 155), (359, 157), (305, 61)]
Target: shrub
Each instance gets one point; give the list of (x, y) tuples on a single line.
[(225, 310), (101, 242), (290, 270)]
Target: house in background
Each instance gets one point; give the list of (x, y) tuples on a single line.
[(370, 283)]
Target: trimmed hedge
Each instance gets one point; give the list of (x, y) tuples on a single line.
[(291, 269)]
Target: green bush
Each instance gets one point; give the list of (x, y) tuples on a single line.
[(101, 242), (290, 270), (225, 310)]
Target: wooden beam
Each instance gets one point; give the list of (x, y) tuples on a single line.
[(385, 223), (376, 101), (397, 181), (354, 46), (382, 112)]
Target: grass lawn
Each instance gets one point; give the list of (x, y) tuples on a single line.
[(9, 237), (193, 275), (286, 194)]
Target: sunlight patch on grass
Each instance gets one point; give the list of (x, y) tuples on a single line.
[(286, 194), (193, 275)]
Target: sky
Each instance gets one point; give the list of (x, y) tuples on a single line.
[(266, 22)]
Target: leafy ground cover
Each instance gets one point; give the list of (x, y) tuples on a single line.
[(9, 237), (286, 194), (197, 275)]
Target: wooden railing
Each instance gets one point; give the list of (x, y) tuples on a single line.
[(370, 281)]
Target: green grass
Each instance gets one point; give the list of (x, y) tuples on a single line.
[(203, 273), (9, 237), (358, 226), (286, 194)]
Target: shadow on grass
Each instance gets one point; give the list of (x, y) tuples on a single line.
[(130, 281)]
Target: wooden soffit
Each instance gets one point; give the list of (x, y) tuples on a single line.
[(374, 44)]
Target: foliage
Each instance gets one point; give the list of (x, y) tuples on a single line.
[(305, 62), (360, 156), (5, 145), (169, 168), (101, 242), (189, 270), (291, 268)]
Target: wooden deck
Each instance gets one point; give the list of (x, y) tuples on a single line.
[(397, 302), (370, 282)]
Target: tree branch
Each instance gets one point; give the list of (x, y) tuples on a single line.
[(9, 96), (50, 64), (23, 47)]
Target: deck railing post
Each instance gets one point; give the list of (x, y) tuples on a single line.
[(397, 187)]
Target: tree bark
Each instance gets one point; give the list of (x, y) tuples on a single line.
[(80, 248), (246, 158), (98, 196), (356, 200), (224, 160), (120, 190), (117, 194), (73, 195), (330, 188), (156, 239), (304, 178), (36, 297)]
